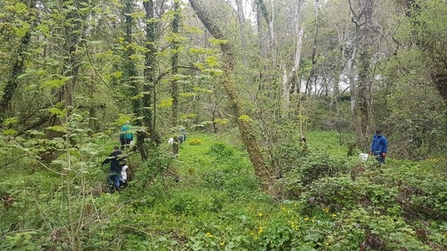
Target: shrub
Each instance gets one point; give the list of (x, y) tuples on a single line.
[(342, 193)]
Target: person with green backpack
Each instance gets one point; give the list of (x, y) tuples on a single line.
[(126, 136)]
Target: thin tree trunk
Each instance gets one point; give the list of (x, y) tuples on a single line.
[(131, 76), (271, 34), (174, 63), (261, 36), (292, 77), (149, 73), (261, 169), (314, 52)]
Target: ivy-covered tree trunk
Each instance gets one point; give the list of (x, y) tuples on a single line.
[(174, 63), (130, 75), (262, 171), (362, 119), (149, 108), (73, 30), (18, 66), (361, 113)]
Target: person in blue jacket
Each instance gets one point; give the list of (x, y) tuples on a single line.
[(379, 146), (126, 136)]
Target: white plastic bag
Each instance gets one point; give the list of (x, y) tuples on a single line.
[(363, 157), (123, 176)]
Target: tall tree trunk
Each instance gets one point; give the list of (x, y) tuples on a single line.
[(149, 73), (311, 76), (262, 171), (174, 63), (361, 113), (291, 78), (18, 66), (130, 74), (242, 30), (73, 33), (263, 48), (362, 118), (271, 52)]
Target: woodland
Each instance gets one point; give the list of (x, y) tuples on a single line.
[(277, 98)]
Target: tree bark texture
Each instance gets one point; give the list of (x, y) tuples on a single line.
[(362, 116), (292, 77), (271, 50), (131, 75), (18, 67), (73, 33), (261, 169), (149, 108), (174, 64)]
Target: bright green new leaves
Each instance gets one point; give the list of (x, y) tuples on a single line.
[(218, 41), (20, 8), (245, 118), (57, 82), (165, 103)]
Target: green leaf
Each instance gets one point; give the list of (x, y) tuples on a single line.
[(165, 102), (218, 41), (212, 61), (198, 89), (212, 71), (57, 128), (54, 83), (10, 121), (245, 118), (139, 14), (56, 111), (20, 8), (9, 132), (30, 246), (21, 32)]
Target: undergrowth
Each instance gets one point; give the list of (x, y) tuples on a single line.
[(208, 198)]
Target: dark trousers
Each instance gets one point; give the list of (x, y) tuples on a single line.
[(114, 178), (380, 158), (124, 143)]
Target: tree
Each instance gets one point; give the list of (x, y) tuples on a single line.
[(430, 24), (18, 66), (174, 62), (362, 18), (261, 169), (149, 73)]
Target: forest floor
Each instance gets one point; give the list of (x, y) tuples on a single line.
[(208, 198)]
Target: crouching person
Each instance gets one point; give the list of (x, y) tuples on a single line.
[(116, 164)]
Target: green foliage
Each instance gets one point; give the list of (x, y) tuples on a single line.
[(343, 193), (20, 241), (222, 152), (216, 203), (310, 167), (413, 125), (195, 142)]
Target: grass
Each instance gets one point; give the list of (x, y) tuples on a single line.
[(217, 204)]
